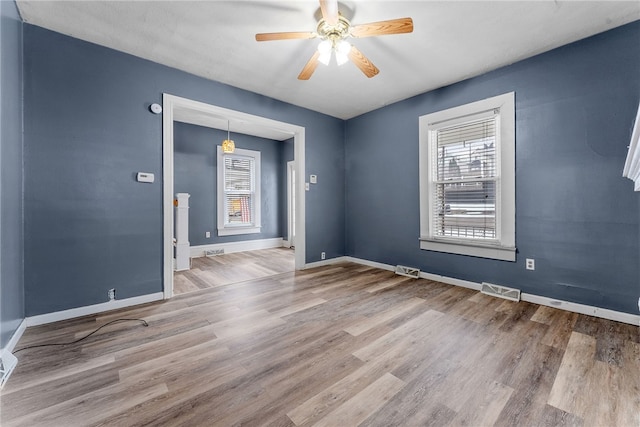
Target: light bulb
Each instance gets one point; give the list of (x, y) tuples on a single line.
[(342, 52), (343, 47), (324, 47), (325, 58)]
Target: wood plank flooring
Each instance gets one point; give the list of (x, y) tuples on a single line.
[(209, 272), (341, 345)]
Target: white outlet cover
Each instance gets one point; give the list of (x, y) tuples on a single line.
[(313, 179)]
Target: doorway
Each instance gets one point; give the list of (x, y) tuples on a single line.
[(190, 111)]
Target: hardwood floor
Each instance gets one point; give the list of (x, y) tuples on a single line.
[(341, 345), (209, 272)]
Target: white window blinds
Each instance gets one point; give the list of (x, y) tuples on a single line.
[(465, 180), (239, 190)]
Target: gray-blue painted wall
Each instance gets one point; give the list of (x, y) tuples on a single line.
[(195, 172), (11, 235), (89, 226), (575, 213)]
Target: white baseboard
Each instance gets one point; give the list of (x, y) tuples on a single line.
[(428, 276), (326, 262), (231, 247), (368, 263), (57, 316), (604, 313), (16, 337)]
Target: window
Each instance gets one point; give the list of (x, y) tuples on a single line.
[(467, 179), (238, 192)]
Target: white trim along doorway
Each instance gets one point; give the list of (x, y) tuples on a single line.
[(291, 201), (186, 110)]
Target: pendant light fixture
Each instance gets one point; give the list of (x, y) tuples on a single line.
[(228, 146)]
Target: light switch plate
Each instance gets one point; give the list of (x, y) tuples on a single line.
[(306, 186)]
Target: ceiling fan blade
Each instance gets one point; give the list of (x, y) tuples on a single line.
[(265, 37), (362, 62), (309, 67), (329, 11), (392, 26)]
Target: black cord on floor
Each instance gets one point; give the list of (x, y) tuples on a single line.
[(86, 336)]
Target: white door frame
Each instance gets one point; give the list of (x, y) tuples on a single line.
[(291, 209), (171, 104)]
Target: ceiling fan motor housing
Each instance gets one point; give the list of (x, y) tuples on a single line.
[(335, 33)]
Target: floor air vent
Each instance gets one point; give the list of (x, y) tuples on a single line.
[(213, 252), (500, 291), (407, 271), (7, 363)]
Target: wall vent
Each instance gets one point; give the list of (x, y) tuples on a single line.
[(500, 291), (8, 363), (407, 271), (213, 252)]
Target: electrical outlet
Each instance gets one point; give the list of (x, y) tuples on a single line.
[(530, 264), (207, 234), (323, 255), (111, 293)]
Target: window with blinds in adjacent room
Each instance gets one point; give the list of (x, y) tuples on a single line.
[(467, 179), (238, 192)]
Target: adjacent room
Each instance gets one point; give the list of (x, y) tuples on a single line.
[(320, 213)]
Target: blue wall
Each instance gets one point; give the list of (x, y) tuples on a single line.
[(195, 172), (575, 214), (89, 226), (11, 236)]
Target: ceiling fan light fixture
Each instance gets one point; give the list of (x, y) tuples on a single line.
[(324, 48), (325, 58), (341, 58), (332, 30), (342, 52)]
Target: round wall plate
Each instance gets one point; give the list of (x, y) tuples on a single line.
[(156, 108)]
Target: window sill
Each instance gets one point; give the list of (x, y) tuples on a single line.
[(232, 231), (483, 251)]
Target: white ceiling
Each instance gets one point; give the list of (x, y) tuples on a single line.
[(452, 40)]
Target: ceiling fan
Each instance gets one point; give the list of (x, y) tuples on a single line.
[(333, 29)]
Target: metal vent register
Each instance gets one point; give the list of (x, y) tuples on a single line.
[(500, 291)]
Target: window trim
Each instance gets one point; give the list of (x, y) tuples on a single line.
[(504, 249), (632, 164), (228, 229)]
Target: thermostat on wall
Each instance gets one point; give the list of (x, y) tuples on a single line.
[(145, 177)]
